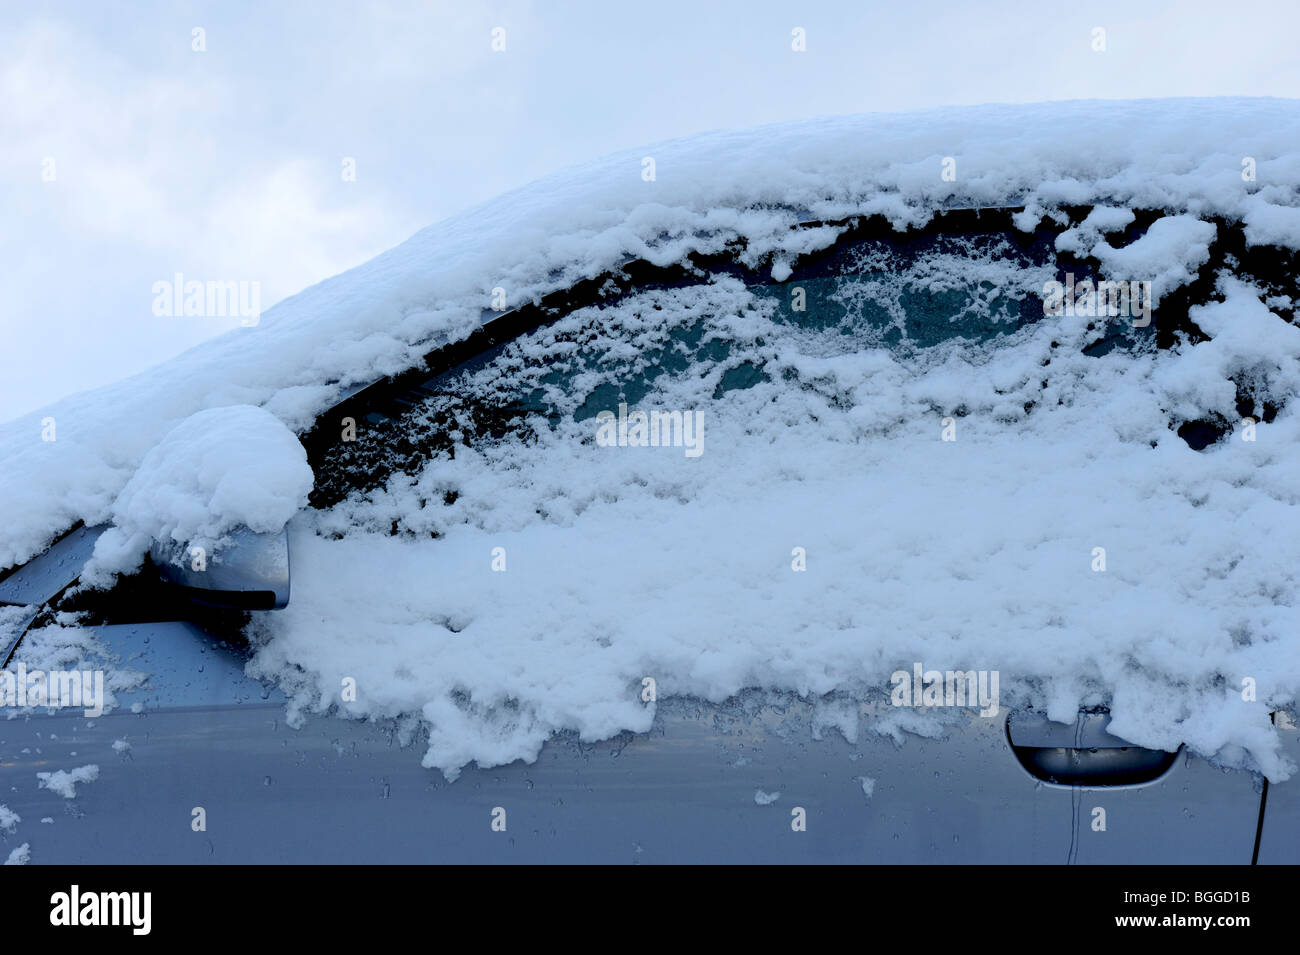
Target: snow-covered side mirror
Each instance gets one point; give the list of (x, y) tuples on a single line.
[(250, 574)]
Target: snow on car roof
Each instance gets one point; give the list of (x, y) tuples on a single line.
[(381, 317)]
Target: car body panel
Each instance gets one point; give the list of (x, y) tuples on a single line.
[(697, 788), (711, 782), (41, 578), (1279, 838)]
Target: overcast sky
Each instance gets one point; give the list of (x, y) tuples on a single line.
[(128, 156)]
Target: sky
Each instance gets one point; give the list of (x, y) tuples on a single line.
[(280, 143)]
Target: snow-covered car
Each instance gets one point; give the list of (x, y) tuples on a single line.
[(878, 489)]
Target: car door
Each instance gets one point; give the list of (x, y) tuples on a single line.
[(971, 787), (847, 774)]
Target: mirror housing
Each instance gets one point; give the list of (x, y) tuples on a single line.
[(250, 574)]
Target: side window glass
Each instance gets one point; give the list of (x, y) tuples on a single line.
[(911, 298)]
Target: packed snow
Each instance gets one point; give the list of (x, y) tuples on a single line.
[(64, 782), (64, 646), (621, 563), (217, 471), (1169, 253), (21, 855), (1185, 156)]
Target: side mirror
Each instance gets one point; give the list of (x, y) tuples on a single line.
[(251, 574)]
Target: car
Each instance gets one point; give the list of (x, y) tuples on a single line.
[(515, 449)]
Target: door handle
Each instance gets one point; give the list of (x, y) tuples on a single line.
[(1083, 753)]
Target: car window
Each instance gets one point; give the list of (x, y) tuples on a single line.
[(875, 297), (915, 298)]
